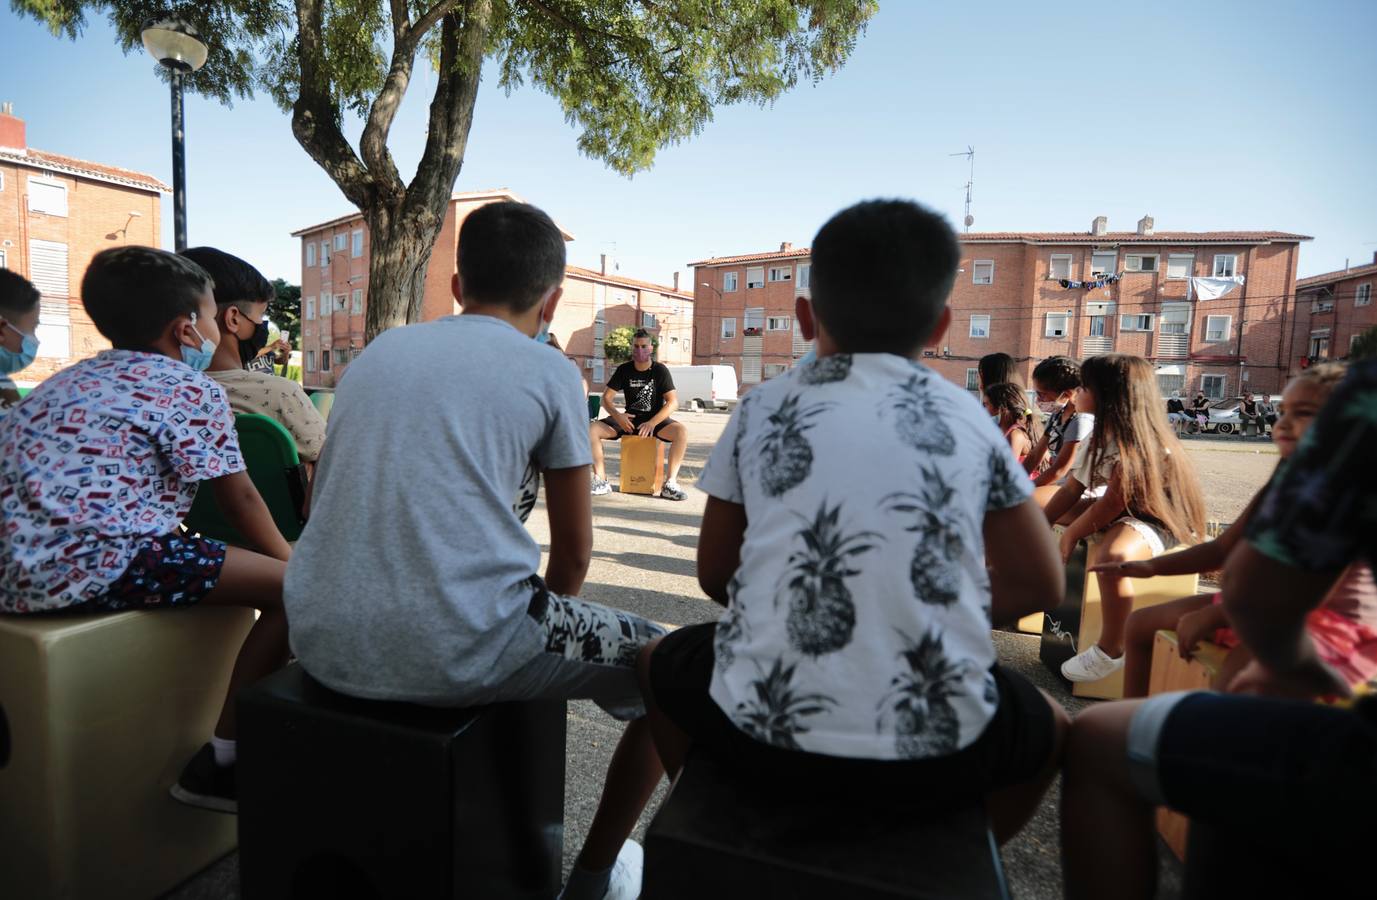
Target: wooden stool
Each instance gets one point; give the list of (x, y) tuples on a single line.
[(642, 465), (102, 714)]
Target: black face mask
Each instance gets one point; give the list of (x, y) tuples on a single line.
[(249, 347)]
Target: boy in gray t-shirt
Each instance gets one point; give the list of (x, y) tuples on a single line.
[(415, 579)]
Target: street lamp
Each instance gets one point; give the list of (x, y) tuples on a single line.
[(177, 47)]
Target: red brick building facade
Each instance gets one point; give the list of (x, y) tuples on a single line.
[(56, 212), (1008, 297), (334, 297), (1331, 311)]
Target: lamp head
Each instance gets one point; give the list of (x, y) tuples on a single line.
[(174, 44)]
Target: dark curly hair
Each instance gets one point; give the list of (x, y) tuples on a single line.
[(1058, 373)]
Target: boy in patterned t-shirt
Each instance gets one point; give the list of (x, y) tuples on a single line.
[(100, 464), (854, 505)]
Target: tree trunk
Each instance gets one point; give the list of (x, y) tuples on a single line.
[(399, 256)]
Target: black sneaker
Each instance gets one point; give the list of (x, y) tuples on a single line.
[(207, 785)]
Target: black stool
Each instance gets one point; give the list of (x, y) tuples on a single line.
[(719, 837), (348, 798)]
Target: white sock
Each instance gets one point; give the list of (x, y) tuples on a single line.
[(226, 751)]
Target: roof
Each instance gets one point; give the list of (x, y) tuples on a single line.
[(593, 274), (795, 253), (42, 159), (461, 196), (1340, 275)]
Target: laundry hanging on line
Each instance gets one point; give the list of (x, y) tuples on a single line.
[(1212, 288), (1090, 285)]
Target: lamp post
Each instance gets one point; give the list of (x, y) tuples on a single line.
[(177, 47)]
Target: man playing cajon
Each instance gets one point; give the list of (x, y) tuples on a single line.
[(650, 398)]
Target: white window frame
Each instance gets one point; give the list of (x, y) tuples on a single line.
[(341, 242), (648, 320), (758, 281), (1321, 306), (356, 303), (310, 360), (1223, 386), (1129, 259), (1228, 270), (989, 274), (1113, 264), (48, 183), (729, 328), (777, 323), (1175, 310), (356, 243), (310, 313), (1137, 321), (1099, 326), (772, 370), (804, 281), (324, 254), (1068, 258), (341, 356), (324, 359), (310, 253), (980, 327), (1178, 258), (2, 181), (730, 281), (780, 273), (1051, 331), (1320, 334), (341, 303), (1362, 294), (4, 259), (972, 380), (599, 371), (1223, 332)]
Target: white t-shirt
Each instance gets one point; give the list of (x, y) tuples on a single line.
[(859, 621)]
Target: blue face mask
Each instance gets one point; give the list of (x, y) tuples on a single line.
[(198, 358), (10, 361), (543, 335)]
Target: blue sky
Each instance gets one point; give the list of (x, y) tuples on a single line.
[(1252, 114)]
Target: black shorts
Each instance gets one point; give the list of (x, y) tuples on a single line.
[(1015, 746), (637, 422)]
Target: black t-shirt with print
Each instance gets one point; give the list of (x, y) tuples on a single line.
[(644, 391)]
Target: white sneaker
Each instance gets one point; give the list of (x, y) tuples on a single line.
[(626, 873), (600, 487), (1091, 665)]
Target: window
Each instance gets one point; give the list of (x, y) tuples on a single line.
[(1097, 326), (805, 276), (755, 277), (982, 271), (781, 273), (1352, 342), (777, 323), (1056, 324), (324, 254), (1176, 318), (1225, 265), (48, 197), (4, 259), (310, 360), (1104, 262), (356, 353), (1217, 328), (341, 241), (773, 369), (356, 246), (324, 360), (310, 253), (648, 320), (341, 302), (310, 306), (1321, 306), (980, 326), (754, 322), (1213, 386), (341, 355), (728, 282), (1179, 265), (1167, 384), (1363, 295), (972, 379), (1319, 344), (728, 328), (1060, 266), (1140, 262), (2, 181), (358, 302), (1135, 322)]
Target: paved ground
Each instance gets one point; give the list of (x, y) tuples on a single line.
[(643, 561)]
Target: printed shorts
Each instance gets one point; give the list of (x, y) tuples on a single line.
[(174, 570), (589, 654)]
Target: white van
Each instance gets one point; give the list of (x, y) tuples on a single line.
[(705, 387)]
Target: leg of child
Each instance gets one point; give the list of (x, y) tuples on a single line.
[(1141, 631), (255, 581), (1045, 493), (1010, 808), (632, 775), (671, 742), (1120, 543)]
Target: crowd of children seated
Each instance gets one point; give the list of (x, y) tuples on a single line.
[(866, 526)]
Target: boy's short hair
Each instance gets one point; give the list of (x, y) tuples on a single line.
[(882, 271), (510, 254), (131, 293), (1058, 373), (236, 282), (17, 295), (642, 333)]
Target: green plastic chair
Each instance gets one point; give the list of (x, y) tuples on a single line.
[(323, 401), (275, 468)]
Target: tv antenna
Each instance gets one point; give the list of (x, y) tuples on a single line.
[(969, 153)]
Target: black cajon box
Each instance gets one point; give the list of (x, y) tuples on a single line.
[(347, 798), (1061, 626)]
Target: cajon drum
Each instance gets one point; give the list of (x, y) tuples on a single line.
[(102, 713), (642, 465)]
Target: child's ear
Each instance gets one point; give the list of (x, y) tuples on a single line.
[(940, 330), (803, 311), (551, 301), (456, 289)]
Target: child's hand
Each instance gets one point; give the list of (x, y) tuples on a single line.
[(1068, 545), (1305, 682), (1196, 626), (1138, 568)]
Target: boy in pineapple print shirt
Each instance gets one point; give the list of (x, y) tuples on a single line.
[(854, 506)]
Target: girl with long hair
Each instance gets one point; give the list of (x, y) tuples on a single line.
[(1152, 499), (1022, 426)]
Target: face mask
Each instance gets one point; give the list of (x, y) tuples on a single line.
[(641, 354), (198, 358), (808, 357), (543, 335), (1048, 406), (250, 347), (10, 361)]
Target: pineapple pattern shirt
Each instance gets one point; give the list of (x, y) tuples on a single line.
[(859, 617)]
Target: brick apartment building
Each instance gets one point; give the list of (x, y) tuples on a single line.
[(1009, 298), (334, 297), (1331, 311), (56, 212)]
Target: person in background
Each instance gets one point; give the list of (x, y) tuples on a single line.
[(1067, 429), (1176, 412), (1200, 408), (650, 399), (18, 322), (1022, 427), (997, 368), (1252, 411)]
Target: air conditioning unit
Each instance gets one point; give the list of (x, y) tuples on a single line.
[(588, 363)]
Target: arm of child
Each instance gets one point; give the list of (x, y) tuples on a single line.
[(1060, 465), (1198, 625), (571, 529), (1025, 574), (1066, 497), (1097, 516), (1208, 556), (719, 546), (1034, 458), (242, 505)]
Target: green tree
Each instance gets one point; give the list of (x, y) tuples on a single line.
[(1365, 347), (616, 346), (285, 310), (632, 75)]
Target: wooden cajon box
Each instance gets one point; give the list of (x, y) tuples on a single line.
[(642, 465), (102, 713)]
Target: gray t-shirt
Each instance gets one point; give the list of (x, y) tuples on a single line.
[(410, 580)]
